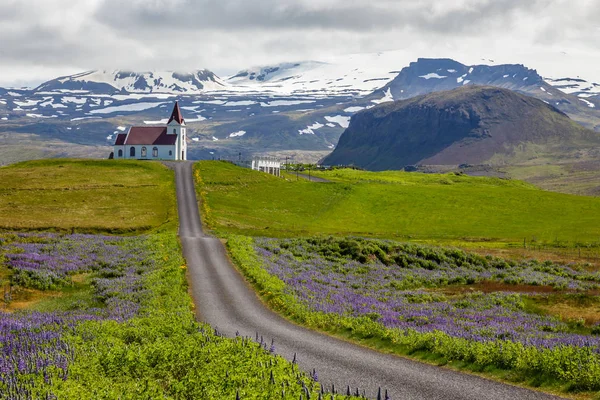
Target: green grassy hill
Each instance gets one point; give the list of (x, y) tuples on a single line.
[(392, 204), (86, 196)]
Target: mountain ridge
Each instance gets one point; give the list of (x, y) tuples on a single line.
[(118, 81)]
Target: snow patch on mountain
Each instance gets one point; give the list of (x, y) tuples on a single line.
[(31, 115), (76, 100), (575, 86), (27, 103), (386, 97), (589, 104), (341, 120), (126, 107), (237, 134), (197, 118), (432, 75), (310, 130), (353, 109), (159, 122), (279, 103)]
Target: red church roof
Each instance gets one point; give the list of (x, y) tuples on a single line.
[(176, 114), (150, 135)]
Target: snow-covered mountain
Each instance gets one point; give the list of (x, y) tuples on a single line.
[(427, 75), (356, 74), (108, 82)]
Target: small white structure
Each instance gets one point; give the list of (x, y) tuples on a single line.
[(154, 142), (270, 165)]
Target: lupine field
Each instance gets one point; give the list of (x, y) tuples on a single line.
[(400, 293), (137, 338)]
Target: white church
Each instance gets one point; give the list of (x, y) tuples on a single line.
[(154, 142)]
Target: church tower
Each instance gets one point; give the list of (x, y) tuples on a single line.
[(176, 126)]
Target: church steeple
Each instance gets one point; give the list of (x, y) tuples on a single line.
[(176, 115)]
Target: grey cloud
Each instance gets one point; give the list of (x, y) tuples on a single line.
[(235, 34), (376, 15)]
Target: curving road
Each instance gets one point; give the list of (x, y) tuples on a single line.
[(224, 300)]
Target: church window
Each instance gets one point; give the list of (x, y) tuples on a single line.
[(174, 131), (132, 152), (121, 153), (143, 152), (170, 152), (155, 152)]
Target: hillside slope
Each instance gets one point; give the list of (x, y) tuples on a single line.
[(471, 124), (391, 205)]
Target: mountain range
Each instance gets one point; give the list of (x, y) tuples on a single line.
[(114, 82), (289, 107)]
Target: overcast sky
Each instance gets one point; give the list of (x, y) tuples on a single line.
[(42, 39)]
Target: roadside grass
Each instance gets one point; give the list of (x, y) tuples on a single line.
[(455, 209), (86, 196)]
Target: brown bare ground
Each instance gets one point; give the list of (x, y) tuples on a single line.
[(23, 299), (570, 312), (492, 286), (568, 256)]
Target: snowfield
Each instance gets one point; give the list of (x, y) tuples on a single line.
[(126, 107), (433, 75), (310, 130), (387, 97), (341, 120)]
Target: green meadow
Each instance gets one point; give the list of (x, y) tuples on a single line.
[(395, 205), (86, 196)]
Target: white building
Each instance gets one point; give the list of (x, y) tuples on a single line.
[(154, 142), (270, 165)]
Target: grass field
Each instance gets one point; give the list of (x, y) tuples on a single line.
[(427, 207), (86, 196)]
